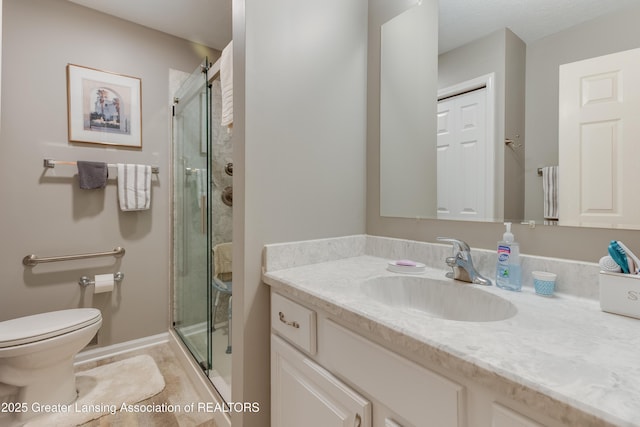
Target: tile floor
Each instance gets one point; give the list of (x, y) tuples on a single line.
[(178, 391)]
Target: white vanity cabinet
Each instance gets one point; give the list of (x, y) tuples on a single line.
[(305, 394), (302, 392), (505, 417), (324, 374), (413, 394)]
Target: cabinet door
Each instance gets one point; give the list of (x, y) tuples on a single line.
[(504, 417), (305, 394), (420, 396)]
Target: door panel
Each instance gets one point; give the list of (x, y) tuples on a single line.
[(445, 158), (462, 169), (599, 133)]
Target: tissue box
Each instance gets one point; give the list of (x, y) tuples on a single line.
[(620, 293)]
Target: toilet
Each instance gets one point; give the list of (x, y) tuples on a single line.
[(37, 354)]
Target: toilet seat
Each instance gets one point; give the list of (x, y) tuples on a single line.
[(37, 327)]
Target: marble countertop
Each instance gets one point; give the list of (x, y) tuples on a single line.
[(561, 355)]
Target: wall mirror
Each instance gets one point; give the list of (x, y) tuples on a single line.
[(496, 74)]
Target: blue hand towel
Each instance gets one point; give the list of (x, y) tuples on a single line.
[(92, 175)]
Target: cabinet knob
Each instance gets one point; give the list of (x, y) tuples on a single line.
[(357, 421), (293, 323)]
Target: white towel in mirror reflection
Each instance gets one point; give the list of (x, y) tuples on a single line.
[(550, 190)]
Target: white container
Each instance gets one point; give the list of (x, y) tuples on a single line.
[(620, 293)]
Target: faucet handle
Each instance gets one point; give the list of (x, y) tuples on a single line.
[(458, 245)]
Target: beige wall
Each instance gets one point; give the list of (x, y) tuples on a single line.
[(299, 152), (43, 211)]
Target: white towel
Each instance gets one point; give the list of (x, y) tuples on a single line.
[(226, 84), (550, 191), (134, 187)]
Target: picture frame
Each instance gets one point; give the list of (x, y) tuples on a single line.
[(104, 107)]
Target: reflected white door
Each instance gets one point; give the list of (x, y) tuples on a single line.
[(462, 169), (599, 140)]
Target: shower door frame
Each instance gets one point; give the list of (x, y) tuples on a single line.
[(204, 361)]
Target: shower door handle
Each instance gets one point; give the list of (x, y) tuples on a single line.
[(203, 214)]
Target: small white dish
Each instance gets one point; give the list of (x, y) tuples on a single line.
[(395, 267)]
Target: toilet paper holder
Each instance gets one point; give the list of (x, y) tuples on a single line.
[(86, 281)]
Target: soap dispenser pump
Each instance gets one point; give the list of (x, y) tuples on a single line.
[(508, 271)]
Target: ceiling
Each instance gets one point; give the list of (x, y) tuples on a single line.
[(464, 20), (209, 21)]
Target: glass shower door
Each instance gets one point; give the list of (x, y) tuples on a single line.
[(191, 196)]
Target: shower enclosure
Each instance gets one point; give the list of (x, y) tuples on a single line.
[(202, 208)]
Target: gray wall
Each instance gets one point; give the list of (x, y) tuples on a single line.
[(299, 149), (408, 70), (0, 46), (514, 125), (43, 211)]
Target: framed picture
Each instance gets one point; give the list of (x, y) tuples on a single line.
[(103, 107)]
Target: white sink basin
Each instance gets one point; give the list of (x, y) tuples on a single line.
[(444, 299)]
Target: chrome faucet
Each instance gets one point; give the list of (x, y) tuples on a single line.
[(462, 264)]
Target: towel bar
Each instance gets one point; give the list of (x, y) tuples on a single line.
[(31, 260), (50, 163)]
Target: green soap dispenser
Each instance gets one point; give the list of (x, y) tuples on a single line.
[(508, 270)]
